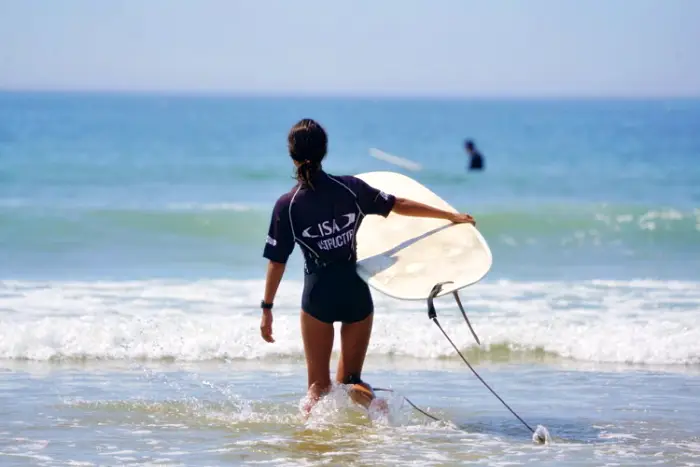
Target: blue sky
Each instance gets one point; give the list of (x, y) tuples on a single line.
[(371, 47)]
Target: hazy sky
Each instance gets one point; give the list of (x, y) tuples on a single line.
[(424, 47)]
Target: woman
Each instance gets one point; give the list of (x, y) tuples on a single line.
[(322, 214)]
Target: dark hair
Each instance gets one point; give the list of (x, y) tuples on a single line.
[(469, 144), (308, 144)]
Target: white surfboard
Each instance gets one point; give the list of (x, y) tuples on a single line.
[(404, 257), (390, 158)]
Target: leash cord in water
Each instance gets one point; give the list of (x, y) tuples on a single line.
[(433, 316), (411, 404)]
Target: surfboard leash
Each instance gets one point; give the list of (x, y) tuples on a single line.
[(410, 403), (433, 316), (540, 436)]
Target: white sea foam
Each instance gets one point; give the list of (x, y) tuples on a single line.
[(641, 321)]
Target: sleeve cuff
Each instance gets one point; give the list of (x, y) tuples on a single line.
[(389, 205), (276, 258)]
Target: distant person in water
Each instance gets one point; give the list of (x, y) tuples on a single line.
[(476, 160)]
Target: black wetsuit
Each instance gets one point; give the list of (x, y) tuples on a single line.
[(476, 161), (324, 222)]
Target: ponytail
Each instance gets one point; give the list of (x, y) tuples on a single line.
[(307, 143), (306, 172)]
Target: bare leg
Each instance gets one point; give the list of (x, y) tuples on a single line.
[(354, 340), (318, 345)]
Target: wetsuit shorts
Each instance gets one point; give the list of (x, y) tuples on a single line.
[(337, 293)]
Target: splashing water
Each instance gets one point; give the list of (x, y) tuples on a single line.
[(541, 435), (337, 407)]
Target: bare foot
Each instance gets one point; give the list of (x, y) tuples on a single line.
[(308, 405), (361, 394)]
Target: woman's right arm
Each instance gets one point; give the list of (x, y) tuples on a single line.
[(407, 207)]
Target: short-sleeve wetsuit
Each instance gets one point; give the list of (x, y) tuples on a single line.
[(324, 222)]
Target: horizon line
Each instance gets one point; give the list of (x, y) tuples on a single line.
[(224, 93)]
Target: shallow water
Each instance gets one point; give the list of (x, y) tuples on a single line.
[(244, 412)]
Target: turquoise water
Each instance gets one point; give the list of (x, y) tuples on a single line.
[(131, 232)]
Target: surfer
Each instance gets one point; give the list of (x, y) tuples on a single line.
[(476, 160), (322, 214)]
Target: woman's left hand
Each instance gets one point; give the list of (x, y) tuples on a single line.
[(458, 218), (266, 326)]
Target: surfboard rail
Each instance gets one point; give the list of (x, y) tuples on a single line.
[(404, 257)]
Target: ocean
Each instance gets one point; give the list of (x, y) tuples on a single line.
[(131, 269)]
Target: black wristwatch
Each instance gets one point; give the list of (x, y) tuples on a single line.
[(265, 306)]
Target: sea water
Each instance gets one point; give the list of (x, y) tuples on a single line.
[(131, 233)]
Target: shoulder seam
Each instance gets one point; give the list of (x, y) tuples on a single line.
[(355, 195), (343, 185)]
